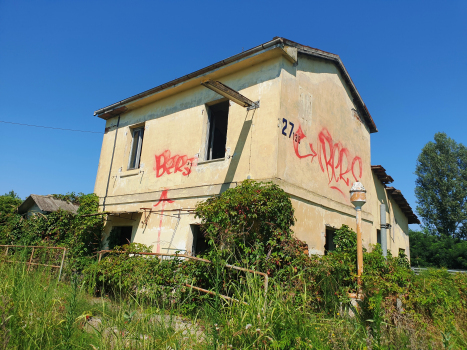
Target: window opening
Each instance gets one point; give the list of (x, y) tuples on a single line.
[(136, 146), (119, 235), (217, 136), (378, 237), (200, 244), (329, 246)]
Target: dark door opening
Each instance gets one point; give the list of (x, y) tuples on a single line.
[(200, 244), (329, 246), (120, 235)]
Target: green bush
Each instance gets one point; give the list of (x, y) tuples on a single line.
[(123, 273), (251, 225)]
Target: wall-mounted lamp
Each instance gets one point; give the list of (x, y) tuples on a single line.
[(358, 199)]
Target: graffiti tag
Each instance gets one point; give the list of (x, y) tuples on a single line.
[(334, 159), (168, 164), (163, 199)]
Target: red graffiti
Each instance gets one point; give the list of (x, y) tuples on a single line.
[(163, 199), (168, 164), (299, 135), (334, 159)]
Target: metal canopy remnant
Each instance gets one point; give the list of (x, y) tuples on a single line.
[(403, 205), (228, 92), (380, 173)]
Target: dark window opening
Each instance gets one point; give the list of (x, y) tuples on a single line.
[(136, 147), (217, 136), (329, 246), (378, 237), (119, 235), (200, 244)]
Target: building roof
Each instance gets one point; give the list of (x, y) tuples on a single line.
[(47, 204), (403, 205), (380, 173), (400, 200), (121, 106)]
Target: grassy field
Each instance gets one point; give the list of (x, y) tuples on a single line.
[(38, 312)]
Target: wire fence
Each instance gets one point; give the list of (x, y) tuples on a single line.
[(32, 256)]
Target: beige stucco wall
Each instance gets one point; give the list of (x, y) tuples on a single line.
[(178, 124), (310, 94)]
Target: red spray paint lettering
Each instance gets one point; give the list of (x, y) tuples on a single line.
[(334, 159), (168, 164), (163, 199)]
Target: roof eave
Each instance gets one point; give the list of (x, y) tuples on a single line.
[(187, 77), (119, 107), (335, 58)]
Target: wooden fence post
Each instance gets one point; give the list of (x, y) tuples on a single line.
[(30, 259)]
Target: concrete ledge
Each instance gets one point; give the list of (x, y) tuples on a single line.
[(206, 191)]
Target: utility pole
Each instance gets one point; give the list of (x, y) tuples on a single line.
[(358, 199)]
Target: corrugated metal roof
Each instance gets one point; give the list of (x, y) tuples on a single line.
[(47, 204)]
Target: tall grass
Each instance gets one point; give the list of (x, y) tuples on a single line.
[(38, 312)]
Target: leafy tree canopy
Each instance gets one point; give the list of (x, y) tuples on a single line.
[(8, 204), (427, 250), (441, 187)]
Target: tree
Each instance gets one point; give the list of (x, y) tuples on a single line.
[(441, 187), (8, 203), (427, 250)]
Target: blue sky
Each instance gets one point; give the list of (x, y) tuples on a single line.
[(62, 60)]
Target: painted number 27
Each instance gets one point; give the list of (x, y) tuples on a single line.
[(284, 129)]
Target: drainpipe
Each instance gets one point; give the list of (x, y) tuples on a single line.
[(111, 163), (384, 239)]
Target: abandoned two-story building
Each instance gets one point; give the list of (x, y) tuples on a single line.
[(280, 112)]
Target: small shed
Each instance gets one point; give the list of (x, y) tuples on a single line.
[(45, 204)]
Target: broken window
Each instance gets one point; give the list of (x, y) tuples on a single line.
[(119, 235), (329, 246), (217, 130), (200, 244), (136, 146)]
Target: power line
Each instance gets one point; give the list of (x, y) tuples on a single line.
[(50, 127)]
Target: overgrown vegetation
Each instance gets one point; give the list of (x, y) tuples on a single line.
[(142, 302), (429, 250), (79, 233), (251, 225)]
